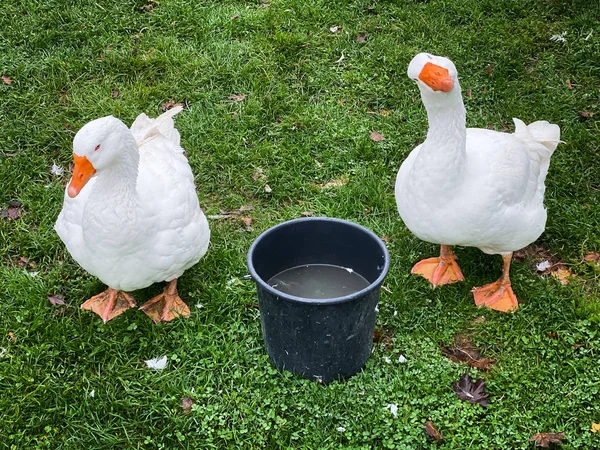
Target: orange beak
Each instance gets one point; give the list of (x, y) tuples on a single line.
[(82, 172), (436, 77)]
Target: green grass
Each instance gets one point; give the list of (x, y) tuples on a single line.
[(305, 121)]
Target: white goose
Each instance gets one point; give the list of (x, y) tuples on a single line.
[(131, 215), (472, 187)]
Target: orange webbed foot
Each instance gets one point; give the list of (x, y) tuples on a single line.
[(441, 270), (109, 304), (498, 296), (167, 305)]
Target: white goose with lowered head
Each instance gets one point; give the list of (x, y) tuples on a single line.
[(470, 186), (131, 215)]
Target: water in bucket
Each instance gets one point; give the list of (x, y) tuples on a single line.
[(318, 281)]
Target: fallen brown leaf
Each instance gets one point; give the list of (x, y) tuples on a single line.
[(148, 7), (259, 173), (186, 404), (469, 391), (22, 261), (13, 212), (463, 350), (306, 213), (545, 439), (247, 208), (169, 104), (12, 336), (237, 97), (595, 427), (235, 16), (386, 239), (432, 431), (6, 80), (362, 37), (469, 93), (591, 257), (563, 275), (376, 137), (478, 320), (115, 93), (569, 84), (384, 337), (56, 299), (489, 69), (484, 364), (334, 183), (584, 115), (247, 222)]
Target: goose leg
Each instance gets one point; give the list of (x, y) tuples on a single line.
[(166, 306), (498, 295), (442, 270), (109, 304)]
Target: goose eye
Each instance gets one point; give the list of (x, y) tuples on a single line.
[(97, 148)]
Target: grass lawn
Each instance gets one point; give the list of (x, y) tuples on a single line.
[(302, 119)]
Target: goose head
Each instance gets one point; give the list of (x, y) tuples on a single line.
[(436, 76), (97, 146)]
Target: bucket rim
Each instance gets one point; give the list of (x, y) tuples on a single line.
[(314, 301)]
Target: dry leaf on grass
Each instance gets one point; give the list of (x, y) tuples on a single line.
[(115, 93), (235, 16), (268, 189), (384, 337), (169, 104), (259, 173), (362, 37), (563, 275), (595, 427), (569, 84), (432, 431), (13, 212), (469, 391), (237, 97), (545, 439), (335, 28), (186, 404), (306, 213), (334, 183), (12, 336), (56, 300), (376, 137), (591, 257), (463, 350), (340, 59), (247, 222), (6, 80)]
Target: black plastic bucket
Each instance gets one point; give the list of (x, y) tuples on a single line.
[(321, 339)]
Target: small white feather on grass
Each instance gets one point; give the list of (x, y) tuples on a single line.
[(393, 408), (157, 363)]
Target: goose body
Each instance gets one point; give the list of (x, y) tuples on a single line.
[(131, 215), (469, 186)]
